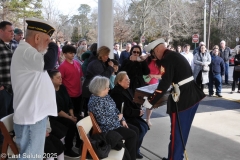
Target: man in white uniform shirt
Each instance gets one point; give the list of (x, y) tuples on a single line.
[(34, 95), (188, 55)]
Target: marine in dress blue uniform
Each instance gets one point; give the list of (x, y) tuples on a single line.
[(176, 69)]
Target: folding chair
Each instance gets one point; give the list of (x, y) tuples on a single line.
[(84, 126), (9, 146), (96, 129)]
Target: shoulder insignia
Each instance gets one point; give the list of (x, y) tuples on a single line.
[(162, 70)]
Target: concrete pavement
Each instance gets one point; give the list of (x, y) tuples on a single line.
[(215, 132)]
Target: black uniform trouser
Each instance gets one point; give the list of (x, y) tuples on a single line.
[(130, 136)]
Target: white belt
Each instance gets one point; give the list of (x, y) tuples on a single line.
[(189, 79)]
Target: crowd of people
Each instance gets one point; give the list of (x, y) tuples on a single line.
[(42, 83)]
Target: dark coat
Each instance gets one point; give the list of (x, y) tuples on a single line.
[(225, 54), (135, 71), (196, 50), (85, 57), (95, 67), (236, 74), (131, 110), (123, 56), (217, 66)]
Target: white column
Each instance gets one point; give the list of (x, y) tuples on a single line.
[(105, 24)]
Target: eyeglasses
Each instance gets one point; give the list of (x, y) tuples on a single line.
[(136, 52)]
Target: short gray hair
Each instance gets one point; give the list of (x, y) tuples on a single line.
[(98, 84), (128, 44), (32, 33), (222, 42)]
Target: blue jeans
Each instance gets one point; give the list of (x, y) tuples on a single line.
[(6, 107), (175, 148), (217, 79), (31, 139), (226, 72)]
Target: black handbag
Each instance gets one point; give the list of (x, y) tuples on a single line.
[(101, 147), (237, 68)]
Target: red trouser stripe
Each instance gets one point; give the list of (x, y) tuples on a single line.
[(173, 135)]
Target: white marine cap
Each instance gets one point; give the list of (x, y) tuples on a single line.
[(153, 44)]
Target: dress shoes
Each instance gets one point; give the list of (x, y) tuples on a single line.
[(139, 156), (219, 95)]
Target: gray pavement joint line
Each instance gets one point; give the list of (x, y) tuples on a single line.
[(152, 152)]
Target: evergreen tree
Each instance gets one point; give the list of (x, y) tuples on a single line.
[(75, 35), (15, 10), (82, 20)]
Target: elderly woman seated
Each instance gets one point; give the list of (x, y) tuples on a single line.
[(132, 111), (107, 115)]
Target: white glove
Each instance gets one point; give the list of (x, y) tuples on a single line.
[(146, 103)]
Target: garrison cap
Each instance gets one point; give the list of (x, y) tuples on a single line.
[(40, 25), (154, 44)]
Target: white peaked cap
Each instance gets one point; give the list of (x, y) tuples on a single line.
[(153, 44)]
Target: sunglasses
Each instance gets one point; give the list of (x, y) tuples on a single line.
[(136, 52)]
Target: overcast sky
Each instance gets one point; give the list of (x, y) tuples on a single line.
[(71, 6)]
